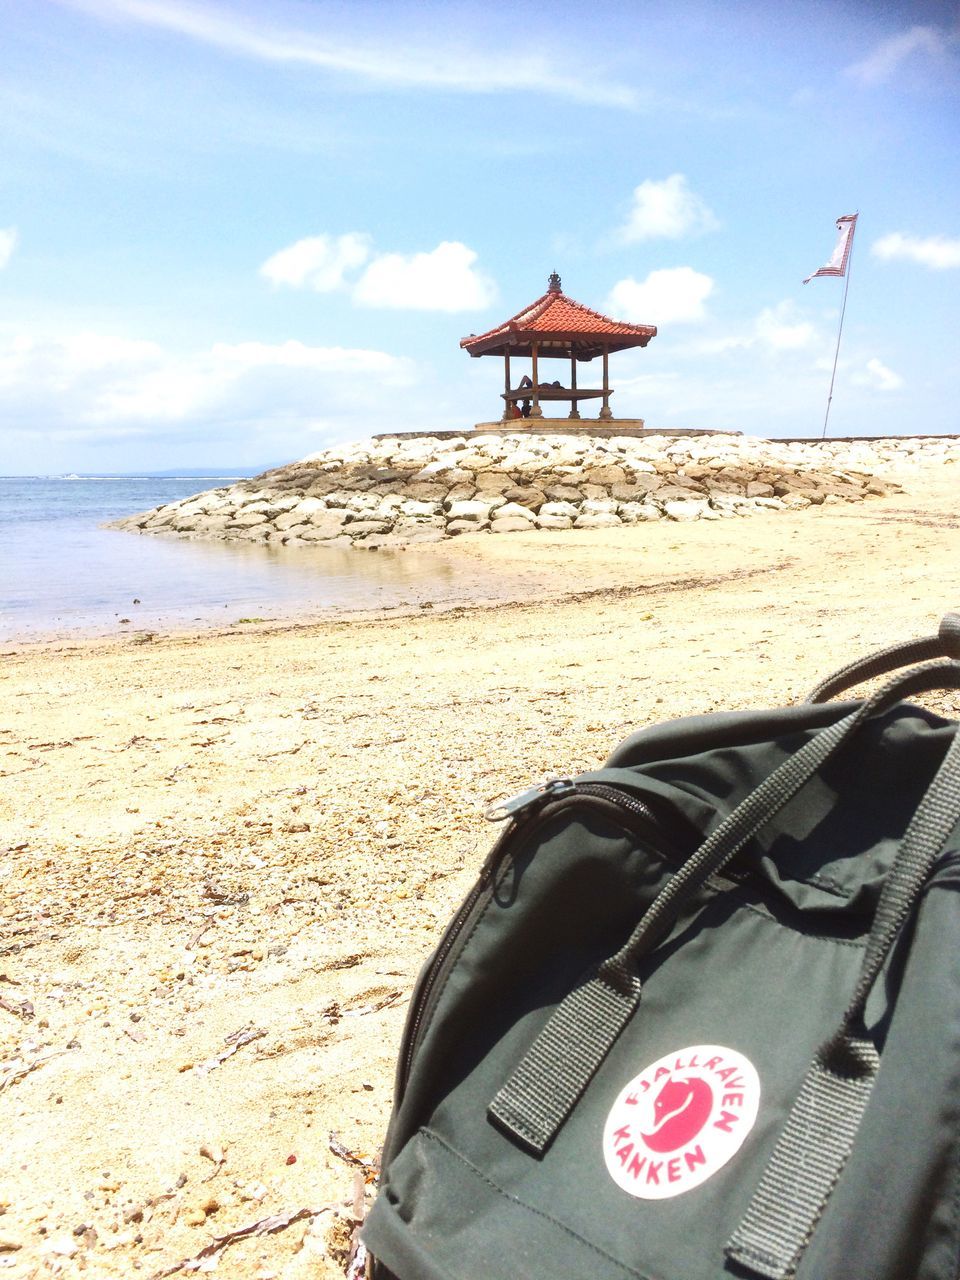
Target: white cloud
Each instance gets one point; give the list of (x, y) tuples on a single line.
[(878, 376), (381, 62), (445, 279), (8, 242), (76, 382), (889, 56), (673, 295), (937, 252), (318, 262), (778, 328), (92, 352), (667, 209)]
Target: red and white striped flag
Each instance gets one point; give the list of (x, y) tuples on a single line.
[(837, 266)]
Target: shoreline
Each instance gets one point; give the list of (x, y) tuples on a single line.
[(262, 832)]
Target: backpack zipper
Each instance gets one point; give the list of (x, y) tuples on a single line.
[(523, 809)]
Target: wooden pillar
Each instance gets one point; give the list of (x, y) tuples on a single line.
[(506, 386), (574, 404), (606, 411), (535, 410)]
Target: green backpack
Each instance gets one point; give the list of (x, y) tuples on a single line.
[(700, 1015)]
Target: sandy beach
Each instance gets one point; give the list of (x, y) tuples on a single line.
[(225, 854)]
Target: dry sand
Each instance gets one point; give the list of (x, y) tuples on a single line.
[(225, 855)]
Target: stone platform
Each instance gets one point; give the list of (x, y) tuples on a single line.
[(531, 428), (568, 427)]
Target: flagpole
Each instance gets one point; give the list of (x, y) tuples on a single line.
[(836, 354)]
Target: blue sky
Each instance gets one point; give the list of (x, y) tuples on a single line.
[(235, 233)]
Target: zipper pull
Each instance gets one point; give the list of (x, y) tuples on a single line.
[(551, 789)]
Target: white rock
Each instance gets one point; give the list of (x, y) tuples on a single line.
[(681, 510), (513, 511), (467, 526), (413, 507), (604, 520), (469, 509), (559, 510), (511, 524)]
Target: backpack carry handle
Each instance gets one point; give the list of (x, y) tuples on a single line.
[(546, 1085), (945, 644)]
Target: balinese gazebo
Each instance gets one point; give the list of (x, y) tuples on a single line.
[(557, 327)]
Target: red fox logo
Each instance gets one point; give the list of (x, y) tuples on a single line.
[(680, 1111)]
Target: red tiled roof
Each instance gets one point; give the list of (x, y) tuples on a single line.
[(556, 321)]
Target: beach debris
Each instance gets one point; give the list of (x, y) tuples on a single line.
[(236, 1040), (19, 1008), (207, 924), (357, 1262), (221, 897), (333, 1012), (390, 999), (263, 1226), (370, 1167), (13, 1072), (211, 1151)]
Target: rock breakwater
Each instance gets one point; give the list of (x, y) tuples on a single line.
[(391, 492)]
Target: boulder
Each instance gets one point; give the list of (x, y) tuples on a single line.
[(606, 476), (527, 496), (604, 520), (425, 491), (559, 510), (636, 512), (247, 519), (471, 509), (493, 481), (690, 509), (467, 526), (513, 511), (563, 493), (509, 524)]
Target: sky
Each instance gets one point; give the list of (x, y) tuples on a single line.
[(233, 233)]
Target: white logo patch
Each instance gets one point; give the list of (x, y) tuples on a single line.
[(680, 1120)]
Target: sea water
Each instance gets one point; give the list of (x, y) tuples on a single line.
[(61, 571)]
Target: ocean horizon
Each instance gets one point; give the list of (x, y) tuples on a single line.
[(63, 573)]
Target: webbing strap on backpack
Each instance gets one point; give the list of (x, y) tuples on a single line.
[(945, 644), (820, 1130), (544, 1088)]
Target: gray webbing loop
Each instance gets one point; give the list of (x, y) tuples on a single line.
[(544, 1088), (566, 1053), (808, 1159), (822, 1127), (945, 644)]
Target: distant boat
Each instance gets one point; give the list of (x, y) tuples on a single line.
[(72, 476)]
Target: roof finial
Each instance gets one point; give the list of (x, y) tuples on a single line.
[(553, 283)]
